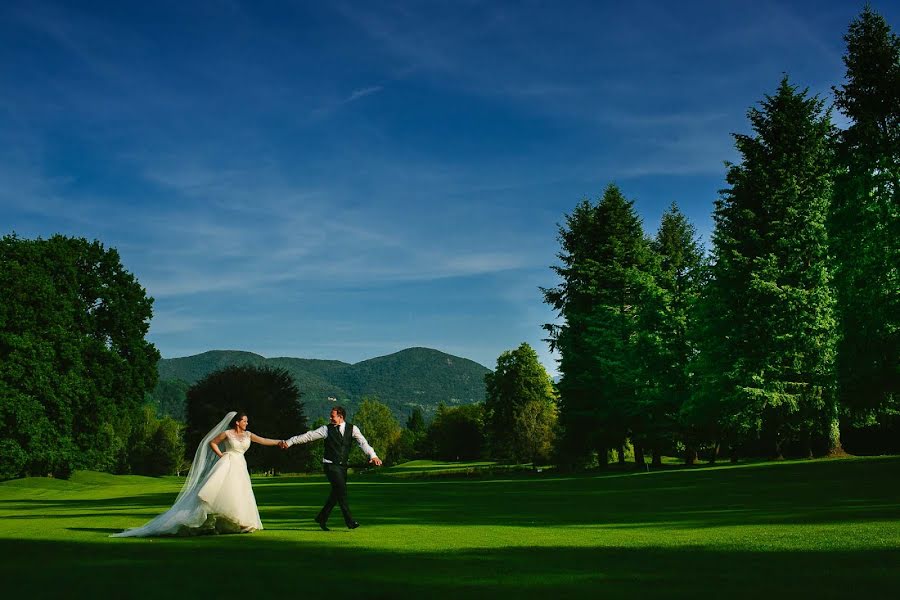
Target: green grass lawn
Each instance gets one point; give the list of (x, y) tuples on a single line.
[(820, 529)]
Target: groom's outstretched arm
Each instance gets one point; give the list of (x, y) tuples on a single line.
[(365, 447), (309, 436)]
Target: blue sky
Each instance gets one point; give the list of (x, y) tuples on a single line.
[(347, 179)]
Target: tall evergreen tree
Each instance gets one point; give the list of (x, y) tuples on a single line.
[(413, 437), (605, 259), (771, 304), (865, 220), (665, 345), (574, 299), (416, 421)]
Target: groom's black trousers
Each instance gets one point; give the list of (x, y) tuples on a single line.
[(337, 477)]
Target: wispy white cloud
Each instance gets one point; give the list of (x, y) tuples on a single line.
[(362, 93), (331, 107)]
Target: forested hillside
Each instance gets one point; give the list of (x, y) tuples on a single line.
[(413, 377)]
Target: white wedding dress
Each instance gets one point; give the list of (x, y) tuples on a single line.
[(217, 496)]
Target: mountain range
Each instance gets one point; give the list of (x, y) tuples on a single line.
[(415, 377)]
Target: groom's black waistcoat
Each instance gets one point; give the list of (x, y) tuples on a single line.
[(337, 446)]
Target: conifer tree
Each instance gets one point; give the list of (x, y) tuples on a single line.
[(865, 221), (665, 345), (605, 275), (770, 304)]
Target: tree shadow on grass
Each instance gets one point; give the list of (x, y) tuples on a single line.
[(781, 494), (201, 567), (141, 506), (154, 499)]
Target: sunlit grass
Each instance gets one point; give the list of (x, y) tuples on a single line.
[(807, 528)]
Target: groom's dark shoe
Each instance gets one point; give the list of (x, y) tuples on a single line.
[(321, 523), (352, 525)]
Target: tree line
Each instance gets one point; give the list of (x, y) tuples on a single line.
[(787, 331)]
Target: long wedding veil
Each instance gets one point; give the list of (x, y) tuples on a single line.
[(204, 459), (188, 509)]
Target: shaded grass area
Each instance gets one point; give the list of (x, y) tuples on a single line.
[(820, 528)]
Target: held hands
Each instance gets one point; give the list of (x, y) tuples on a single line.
[(282, 444), (375, 461)]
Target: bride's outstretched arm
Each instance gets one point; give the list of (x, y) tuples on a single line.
[(214, 444), (264, 441)]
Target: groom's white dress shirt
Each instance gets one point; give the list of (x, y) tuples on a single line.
[(322, 433)]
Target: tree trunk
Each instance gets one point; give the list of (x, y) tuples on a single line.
[(657, 457), (834, 438), (807, 449), (690, 455), (778, 454), (715, 453), (622, 455), (639, 457), (603, 457)]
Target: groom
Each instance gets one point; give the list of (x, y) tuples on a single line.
[(337, 436)]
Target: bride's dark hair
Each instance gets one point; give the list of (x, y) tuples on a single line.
[(240, 415)]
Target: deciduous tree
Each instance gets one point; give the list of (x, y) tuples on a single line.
[(380, 428), (520, 407), (74, 362)]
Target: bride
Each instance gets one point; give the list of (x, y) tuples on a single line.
[(217, 496)]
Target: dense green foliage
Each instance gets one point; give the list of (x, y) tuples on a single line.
[(157, 445), (168, 397), (666, 343), (416, 377), (270, 399), (457, 433), (794, 323), (413, 437), (865, 224), (74, 364), (520, 409), (380, 429), (769, 302), (823, 529), (607, 273)]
